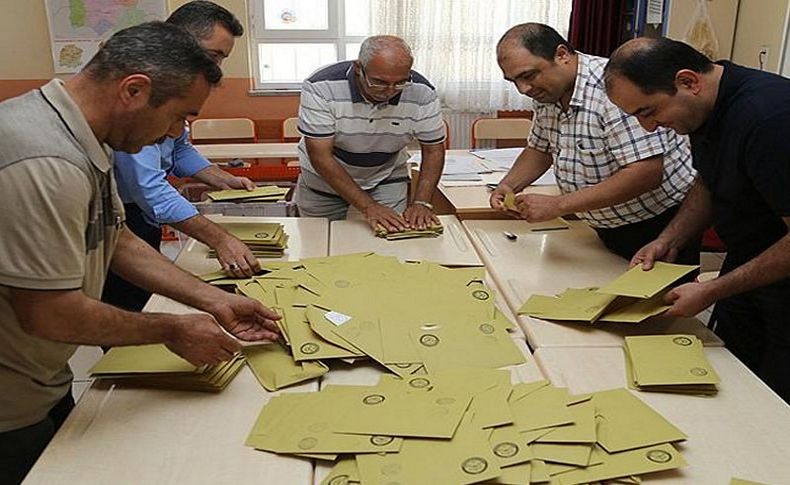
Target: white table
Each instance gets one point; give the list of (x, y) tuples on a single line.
[(547, 263), (308, 238), (248, 150), (452, 248), (743, 432)]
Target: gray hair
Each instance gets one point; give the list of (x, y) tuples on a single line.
[(167, 54), (383, 43)]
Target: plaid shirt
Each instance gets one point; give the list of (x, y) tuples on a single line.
[(594, 139)]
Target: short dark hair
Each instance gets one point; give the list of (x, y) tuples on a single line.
[(199, 17), (540, 39), (651, 64), (167, 54)]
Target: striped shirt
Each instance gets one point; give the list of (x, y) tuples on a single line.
[(369, 139), (594, 139)]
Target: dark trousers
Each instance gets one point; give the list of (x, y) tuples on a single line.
[(20, 448), (755, 327), (119, 292), (626, 240)]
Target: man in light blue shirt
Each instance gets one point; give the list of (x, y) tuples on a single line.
[(150, 200)]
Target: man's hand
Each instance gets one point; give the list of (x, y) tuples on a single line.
[(379, 215), (497, 198), (236, 258), (420, 217), (236, 183), (657, 250), (198, 339), (245, 318), (689, 299), (539, 208)]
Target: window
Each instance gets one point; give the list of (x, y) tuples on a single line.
[(293, 38)]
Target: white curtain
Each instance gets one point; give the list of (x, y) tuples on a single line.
[(454, 44)]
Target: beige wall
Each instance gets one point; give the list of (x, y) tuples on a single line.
[(760, 22), (25, 50), (722, 14)]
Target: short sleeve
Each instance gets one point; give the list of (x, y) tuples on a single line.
[(187, 161), (46, 203), (538, 139), (315, 115), (429, 128), (627, 141)]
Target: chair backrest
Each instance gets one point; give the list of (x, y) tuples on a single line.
[(222, 130), (290, 130), (500, 129)]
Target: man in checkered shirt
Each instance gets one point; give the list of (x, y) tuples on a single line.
[(625, 182)]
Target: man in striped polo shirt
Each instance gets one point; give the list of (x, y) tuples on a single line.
[(624, 181), (356, 118)]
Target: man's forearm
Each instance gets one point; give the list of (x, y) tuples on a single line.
[(627, 184), (527, 168), (430, 171), (694, 216), (52, 315), (213, 176), (202, 229), (770, 266), (341, 181), (140, 264)]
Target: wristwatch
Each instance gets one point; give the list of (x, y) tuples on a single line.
[(423, 203)]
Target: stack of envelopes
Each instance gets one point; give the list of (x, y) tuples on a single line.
[(630, 298), (431, 231), (266, 193), (265, 239), (468, 426), (669, 363), (155, 366), (410, 318)]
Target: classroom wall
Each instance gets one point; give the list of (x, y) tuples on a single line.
[(760, 22), (722, 14), (26, 63)]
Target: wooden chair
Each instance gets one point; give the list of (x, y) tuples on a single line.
[(290, 130), (223, 130), (500, 129)]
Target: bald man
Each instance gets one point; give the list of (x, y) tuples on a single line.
[(738, 120), (624, 182), (356, 118)]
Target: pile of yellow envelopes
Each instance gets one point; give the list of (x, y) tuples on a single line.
[(265, 239), (669, 363), (410, 318), (468, 426), (430, 231), (155, 366), (265, 193), (631, 298)]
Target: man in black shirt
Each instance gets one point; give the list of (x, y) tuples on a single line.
[(738, 120)]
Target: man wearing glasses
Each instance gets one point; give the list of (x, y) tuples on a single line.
[(356, 118)]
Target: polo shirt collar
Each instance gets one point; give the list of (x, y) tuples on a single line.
[(75, 121), (356, 94)]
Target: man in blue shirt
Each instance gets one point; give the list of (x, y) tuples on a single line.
[(150, 200), (737, 119)]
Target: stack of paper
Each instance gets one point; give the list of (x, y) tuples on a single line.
[(265, 239), (468, 426), (266, 193), (155, 366), (669, 363), (431, 231), (366, 306), (630, 298)]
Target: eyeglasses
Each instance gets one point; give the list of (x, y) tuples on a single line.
[(376, 84)]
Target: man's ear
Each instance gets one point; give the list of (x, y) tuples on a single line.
[(134, 90), (561, 54), (688, 80)]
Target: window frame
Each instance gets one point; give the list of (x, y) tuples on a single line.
[(334, 34)]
